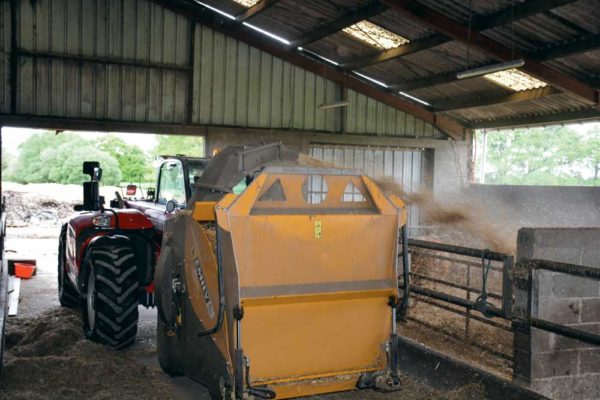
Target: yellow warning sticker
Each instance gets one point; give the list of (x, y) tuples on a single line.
[(318, 230)]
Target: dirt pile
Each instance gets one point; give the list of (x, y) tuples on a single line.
[(464, 221), (48, 358), (23, 209)]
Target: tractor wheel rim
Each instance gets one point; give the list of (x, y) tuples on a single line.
[(90, 301)]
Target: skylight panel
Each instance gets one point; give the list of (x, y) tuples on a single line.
[(374, 35), (516, 80), (247, 3)]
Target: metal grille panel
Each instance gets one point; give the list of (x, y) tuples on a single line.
[(401, 164)]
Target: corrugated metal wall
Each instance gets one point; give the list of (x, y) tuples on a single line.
[(404, 166), (4, 56), (236, 84), (111, 29), (197, 76), (365, 115)]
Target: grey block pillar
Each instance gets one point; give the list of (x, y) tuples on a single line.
[(554, 366)]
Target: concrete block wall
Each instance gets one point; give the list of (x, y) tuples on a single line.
[(555, 366), (547, 206)]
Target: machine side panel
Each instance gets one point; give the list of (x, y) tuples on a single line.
[(315, 279)]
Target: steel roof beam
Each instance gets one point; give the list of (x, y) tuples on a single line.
[(533, 120), (565, 49), (480, 23), (431, 80), (370, 10), (492, 101), (457, 31), (255, 10), (400, 51)]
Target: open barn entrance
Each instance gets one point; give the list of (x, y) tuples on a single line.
[(41, 183)]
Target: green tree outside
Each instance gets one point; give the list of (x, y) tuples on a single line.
[(590, 148), (192, 146), (134, 164), (27, 167), (57, 158), (554, 155), (7, 162), (66, 164)]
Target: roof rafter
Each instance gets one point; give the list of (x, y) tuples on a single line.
[(563, 49), (237, 30), (256, 9), (370, 10), (480, 23), (457, 31), (532, 120), (507, 98), (569, 48), (427, 81), (405, 49)]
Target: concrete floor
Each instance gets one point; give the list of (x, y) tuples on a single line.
[(39, 294)]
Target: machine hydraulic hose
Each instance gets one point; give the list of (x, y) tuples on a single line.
[(221, 285), (403, 308), (482, 304)]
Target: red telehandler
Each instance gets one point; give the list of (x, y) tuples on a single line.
[(106, 256)]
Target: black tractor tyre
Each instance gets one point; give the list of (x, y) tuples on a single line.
[(110, 314), (168, 356), (67, 294)]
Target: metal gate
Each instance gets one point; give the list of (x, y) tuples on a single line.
[(401, 164)]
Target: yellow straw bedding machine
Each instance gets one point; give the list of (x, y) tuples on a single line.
[(288, 288)]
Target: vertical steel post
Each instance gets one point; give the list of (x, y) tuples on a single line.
[(468, 311), (13, 57), (507, 286)]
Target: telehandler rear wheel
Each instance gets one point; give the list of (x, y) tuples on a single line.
[(110, 315), (67, 294)]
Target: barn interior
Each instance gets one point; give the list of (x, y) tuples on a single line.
[(498, 285)]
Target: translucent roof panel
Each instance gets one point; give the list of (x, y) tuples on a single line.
[(375, 35), (247, 3), (516, 80)]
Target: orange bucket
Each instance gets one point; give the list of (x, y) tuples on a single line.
[(24, 271)]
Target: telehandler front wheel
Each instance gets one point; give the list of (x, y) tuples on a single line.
[(110, 315), (67, 294)]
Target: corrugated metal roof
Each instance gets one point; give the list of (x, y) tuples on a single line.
[(408, 29), (459, 10), (87, 91), (477, 88), (546, 105), (529, 35)]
